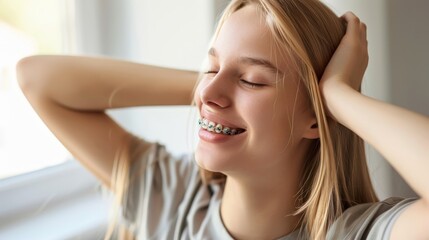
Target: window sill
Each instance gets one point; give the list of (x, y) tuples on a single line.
[(62, 202)]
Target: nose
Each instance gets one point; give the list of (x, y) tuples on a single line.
[(215, 92)]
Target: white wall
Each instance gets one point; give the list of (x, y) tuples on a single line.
[(409, 63)]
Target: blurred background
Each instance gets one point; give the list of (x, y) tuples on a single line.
[(45, 194)]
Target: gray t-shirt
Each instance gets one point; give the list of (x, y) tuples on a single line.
[(167, 200)]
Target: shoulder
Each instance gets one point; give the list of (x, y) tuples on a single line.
[(154, 158), (369, 220), (156, 175)]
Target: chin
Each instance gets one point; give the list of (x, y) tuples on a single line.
[(213, 161)]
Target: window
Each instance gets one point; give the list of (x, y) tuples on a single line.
[(28, 27)]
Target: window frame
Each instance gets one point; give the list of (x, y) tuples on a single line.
[(35, 200)]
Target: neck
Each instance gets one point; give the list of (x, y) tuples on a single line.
[(262, 207)]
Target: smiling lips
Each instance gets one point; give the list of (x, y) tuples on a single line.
[(218, 128)]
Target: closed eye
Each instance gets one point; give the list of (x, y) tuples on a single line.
[(251, 85), (245, 82)]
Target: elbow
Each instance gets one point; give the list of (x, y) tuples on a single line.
[(31, 72)]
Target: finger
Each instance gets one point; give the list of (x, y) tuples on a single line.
[(364, 41), (363, 32), (353, 24), (350, 17)]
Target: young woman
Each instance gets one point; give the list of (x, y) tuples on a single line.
[(282, 119)]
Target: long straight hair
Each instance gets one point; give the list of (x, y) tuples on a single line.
[(335, 175)]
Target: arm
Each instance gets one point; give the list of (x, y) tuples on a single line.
[(401, 136), (71, 94)]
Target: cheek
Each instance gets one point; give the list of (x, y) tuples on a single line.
[(272, 122), (261, 116)]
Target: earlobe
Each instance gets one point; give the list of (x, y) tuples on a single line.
[(312, 132)]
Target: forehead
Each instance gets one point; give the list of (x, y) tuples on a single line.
[(244, 31), (245, 34)]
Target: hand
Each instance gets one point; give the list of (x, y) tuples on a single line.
[(348, 64)]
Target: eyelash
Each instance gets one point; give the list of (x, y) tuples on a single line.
[(249, 84)]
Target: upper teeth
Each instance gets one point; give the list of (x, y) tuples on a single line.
[(218, 128)]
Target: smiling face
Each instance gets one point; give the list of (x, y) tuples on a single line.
[(246, 88)]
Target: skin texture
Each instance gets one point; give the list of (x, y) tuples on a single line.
[(263, 164)]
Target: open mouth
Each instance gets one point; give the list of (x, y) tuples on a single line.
[(218, 128)]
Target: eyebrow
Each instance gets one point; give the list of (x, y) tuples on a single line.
[(252, 61)]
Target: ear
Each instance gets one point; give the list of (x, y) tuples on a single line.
[(312, 130)]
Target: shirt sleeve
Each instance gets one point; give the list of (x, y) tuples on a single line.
[(383, 225), (369, 221), (157, 185)]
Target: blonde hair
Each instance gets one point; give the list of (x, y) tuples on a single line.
[(334, 178)]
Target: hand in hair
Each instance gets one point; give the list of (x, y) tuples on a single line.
[(400, 135), (349, 62)]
